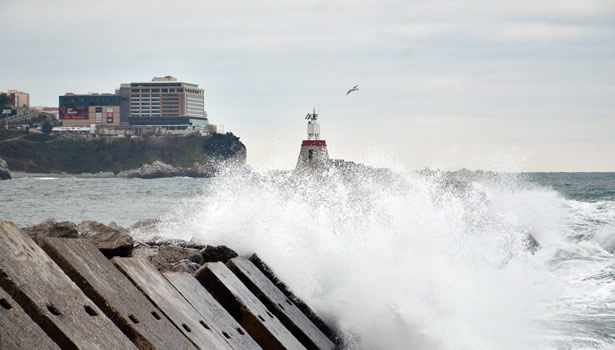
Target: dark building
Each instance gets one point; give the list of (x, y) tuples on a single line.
[(85, 110)]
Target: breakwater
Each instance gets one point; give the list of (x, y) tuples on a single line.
[(91, 286)]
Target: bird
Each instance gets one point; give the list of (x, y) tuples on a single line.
[(354, 88)]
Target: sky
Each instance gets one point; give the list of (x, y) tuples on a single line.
[(496, 85)]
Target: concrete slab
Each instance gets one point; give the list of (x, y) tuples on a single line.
[(162, 294), (214, 315), (17, 330), (262, 325), (50, 298), (267, 271), (115, 295), (283, 308)]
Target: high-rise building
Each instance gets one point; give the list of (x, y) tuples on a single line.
[(163, 102), (85, 110), (163, 97), (19, 98)]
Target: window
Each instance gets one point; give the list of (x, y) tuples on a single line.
[(165, 90)]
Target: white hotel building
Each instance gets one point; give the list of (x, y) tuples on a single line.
[(160, 100)]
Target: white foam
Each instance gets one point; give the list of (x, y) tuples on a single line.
[(402, 262)]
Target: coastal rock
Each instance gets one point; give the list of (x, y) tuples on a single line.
[(109, 241), (52, 228), (141, 249), (144, 224), (115, 226), (218, 253), (211, 168), (5, 174), (531, 244), (168, 256), (144, 230), (157, 169)]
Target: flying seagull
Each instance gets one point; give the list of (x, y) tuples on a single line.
[(354, 88)]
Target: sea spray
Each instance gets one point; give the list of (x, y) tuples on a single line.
[(426, 260)]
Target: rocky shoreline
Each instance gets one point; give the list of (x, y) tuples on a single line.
[(145, 157), (155, 170), (114, 240), (239, 287)]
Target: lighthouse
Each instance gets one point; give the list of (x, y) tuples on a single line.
[(313, 152)]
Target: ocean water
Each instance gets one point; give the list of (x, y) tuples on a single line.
[(426, 260)]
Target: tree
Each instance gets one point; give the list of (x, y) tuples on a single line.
[(46, 127), (222, 146)]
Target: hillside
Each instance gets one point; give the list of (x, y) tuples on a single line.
[(40, 153)]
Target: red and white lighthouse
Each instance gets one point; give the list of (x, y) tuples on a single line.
[(313, 152)]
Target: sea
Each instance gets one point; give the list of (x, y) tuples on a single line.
[(393, 260)]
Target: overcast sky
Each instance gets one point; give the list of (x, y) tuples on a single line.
[(505, 85)]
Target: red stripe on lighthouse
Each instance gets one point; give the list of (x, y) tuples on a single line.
[(314, 143)]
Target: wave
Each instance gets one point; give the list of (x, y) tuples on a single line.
[(428, 260)]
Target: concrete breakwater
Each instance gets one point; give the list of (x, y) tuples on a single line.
[(91, 286)]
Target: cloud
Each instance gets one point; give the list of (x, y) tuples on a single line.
[(550, 32), (483, 64)]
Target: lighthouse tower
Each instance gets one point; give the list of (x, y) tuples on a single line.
[(313, 152)]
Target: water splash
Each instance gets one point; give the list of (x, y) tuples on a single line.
[(425, 260)]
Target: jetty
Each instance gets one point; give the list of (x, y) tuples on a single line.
[(97, 289)]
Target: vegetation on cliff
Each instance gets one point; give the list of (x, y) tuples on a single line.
[(40, 153)]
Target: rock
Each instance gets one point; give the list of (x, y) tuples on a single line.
[(144, 224), (168, 256), (52, 228), (531, 244), (144, 230), (218, 253), (141, 249), (109, 241), (174, 242), (185, 265), (114, 225), (5, 174), (158, 169)]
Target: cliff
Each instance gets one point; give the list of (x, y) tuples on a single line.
[(40, 153)]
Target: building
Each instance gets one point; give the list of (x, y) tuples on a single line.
[(53, 111), (164, 101), (19, 99), (91, 109)]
